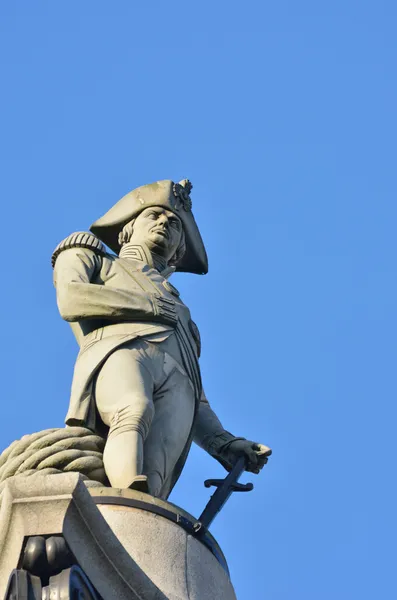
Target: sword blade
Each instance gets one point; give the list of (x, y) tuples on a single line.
[(221, 494)]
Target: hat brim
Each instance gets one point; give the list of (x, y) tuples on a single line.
[(108, 227)]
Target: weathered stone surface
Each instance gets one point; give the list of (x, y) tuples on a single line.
[(126, 552), (180, 565), (54, 504)]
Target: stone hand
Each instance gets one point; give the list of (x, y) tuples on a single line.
[(164, 310), (255, 454)]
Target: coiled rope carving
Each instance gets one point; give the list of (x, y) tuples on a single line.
[(53, 451)]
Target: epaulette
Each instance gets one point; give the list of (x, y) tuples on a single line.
[(80, 239)]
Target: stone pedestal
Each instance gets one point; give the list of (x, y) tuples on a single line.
[(119, 544)]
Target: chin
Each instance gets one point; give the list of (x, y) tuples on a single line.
[(159, 246), (158, 240)]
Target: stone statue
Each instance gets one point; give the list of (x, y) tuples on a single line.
[(137, 377)]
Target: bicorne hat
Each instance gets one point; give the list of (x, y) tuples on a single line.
[(172, 196)]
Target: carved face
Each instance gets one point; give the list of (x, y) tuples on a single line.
[(159, 229)]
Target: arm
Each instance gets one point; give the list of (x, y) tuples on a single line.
[(78, 298), (210, 435)]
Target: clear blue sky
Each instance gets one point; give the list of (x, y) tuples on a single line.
[(283, 115)]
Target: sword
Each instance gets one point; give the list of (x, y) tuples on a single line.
[(225, 488)]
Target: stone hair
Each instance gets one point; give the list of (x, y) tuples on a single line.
[(126, 234)]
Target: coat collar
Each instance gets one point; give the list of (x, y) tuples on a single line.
[(142, 254)]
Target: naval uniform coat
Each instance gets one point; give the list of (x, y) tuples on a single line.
[(110, 301)]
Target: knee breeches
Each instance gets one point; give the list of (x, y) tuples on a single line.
[(143, 389)]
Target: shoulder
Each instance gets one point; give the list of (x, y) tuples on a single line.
[(80, 239)]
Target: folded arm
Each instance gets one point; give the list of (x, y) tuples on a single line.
[(78, 298)]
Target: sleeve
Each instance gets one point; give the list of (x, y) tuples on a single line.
[(78, 298), (210, 435)]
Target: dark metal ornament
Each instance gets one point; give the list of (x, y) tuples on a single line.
[(58, 554), (182, 191), (23, 586), (71, 584), (35, 556), (44, 557)]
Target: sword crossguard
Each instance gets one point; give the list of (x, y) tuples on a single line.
[(235, 487)]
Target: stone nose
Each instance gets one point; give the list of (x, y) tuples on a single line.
[(163, 220)]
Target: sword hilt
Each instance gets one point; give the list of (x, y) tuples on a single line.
[(235, 487)]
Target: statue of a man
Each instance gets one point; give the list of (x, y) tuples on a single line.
[(137, 377)]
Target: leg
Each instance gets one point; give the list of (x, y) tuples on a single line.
[(124, 398), (174, 403)]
